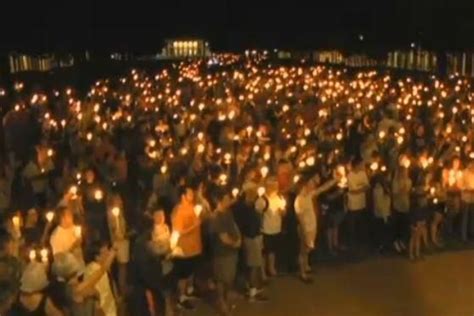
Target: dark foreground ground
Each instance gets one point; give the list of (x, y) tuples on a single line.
[(441, 285)]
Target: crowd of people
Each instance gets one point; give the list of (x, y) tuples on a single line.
[(148, 192)]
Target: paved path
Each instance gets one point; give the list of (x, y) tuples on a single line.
[(441, 285)]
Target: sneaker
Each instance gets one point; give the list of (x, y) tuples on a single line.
[(192, 296), (187, 305), (259, 298), (306, 280), (397, 247), (258, 291)]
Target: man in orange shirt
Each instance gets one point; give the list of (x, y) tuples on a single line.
[(186, 222)]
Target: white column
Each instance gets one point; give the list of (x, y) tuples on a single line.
[(463, 67)]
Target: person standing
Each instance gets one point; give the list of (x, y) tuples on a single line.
[(187, 225), (358, 184), (97, 254), (249, 221), (65, 238), (306, 211), (226, 243), (401, 189), (467, 198), (382, 213), (333, 201), (452, 178), (273, 208), (33, 299), (37, 173), (119, 238), (79, 293)]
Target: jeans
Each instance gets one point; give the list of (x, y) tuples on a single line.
[(401, 226), (383, 233), (357, 228), (467, 220)]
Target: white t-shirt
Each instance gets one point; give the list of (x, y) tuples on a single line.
[(271, 223), (304, 208), (357, 180), (62, 239), (381, 202), (106, 296)]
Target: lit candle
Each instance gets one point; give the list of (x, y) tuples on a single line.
[(116, 213), (49, 216), (98, 195), (264, 171), (310, 161), (223, 179), (73, 190), (44, 255), (235, 192), (32, 255), (261, 191), (174, 238), (50, 153), (78, 231), (16, 222), (342, 173), (198, 209), (163, 169), (296, 178), (374, 166)]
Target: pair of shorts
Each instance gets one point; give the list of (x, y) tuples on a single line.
[(253, 248), (307, 239), (335, 219), (185, 267), (225, 269), (271, 243)]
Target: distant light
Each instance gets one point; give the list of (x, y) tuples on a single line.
[(361, 37), (412, 45)]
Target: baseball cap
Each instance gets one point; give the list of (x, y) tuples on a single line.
[(66, 266), (34, 278)]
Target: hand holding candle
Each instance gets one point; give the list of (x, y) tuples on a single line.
[(78, 231), (32, 255), (98, 195), (235, 192), (198, 209), (44, 255), (49, 216)]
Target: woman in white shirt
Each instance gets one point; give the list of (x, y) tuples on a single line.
[(273, 210), (306, 211)]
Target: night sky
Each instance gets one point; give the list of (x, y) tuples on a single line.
[(138, 25)]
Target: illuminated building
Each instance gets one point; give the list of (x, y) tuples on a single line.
[(186, 48), (43, 62), (330, 57), (22, 62)]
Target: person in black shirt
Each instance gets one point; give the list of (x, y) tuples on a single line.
[(249, 221), (226, 243), (333, 206)]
